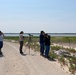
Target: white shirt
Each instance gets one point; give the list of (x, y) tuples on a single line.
[(21, 37)]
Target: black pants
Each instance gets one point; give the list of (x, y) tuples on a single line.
[(21, 46), (1, 45)]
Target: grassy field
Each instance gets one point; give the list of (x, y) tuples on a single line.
[(16, 38), (64, 39), (53, 39)]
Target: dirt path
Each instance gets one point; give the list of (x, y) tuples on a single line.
[(15, 64)]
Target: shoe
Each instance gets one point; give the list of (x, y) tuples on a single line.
[(21, 52), (1, 53), (41, 54), (47, 57)]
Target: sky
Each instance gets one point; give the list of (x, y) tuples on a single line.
[(32, 16)]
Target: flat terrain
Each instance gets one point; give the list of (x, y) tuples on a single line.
[(12, 63)]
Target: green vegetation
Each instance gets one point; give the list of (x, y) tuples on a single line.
[(53, 55), (64, 39), (71, 59), (16, 38), (53, 39), (62, 60), (11, 38), (72, 67), (70, 50), (55, 47)]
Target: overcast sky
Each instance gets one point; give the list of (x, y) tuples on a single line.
[(53, 16)]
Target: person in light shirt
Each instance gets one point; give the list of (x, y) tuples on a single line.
[(21, 40), (1, 42)]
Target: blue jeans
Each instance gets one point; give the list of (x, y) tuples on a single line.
[(1, 44), (42, 48), (47, 50)]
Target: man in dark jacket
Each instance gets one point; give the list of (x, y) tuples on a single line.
[(42, 43)]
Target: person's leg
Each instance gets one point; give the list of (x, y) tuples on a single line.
[(21, 46), (42, 48), (1, 45), (47, 51), (0, 51)]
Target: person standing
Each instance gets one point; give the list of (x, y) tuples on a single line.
[(21, 40), (47, 45), (42, 37), (1, 42)]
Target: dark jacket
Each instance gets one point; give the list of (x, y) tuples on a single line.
[(42, 38), (47, 40)]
